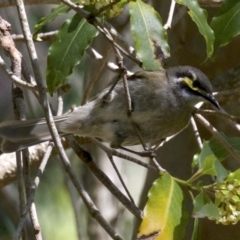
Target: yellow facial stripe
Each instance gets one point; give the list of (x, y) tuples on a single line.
[(189, 82)]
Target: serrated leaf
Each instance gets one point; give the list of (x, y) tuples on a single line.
[(204, 207), (220, 152), (162, 213), (226, 24), (67, 50), (148, 33), (199, 16)]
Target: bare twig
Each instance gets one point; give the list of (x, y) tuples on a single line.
[(100, 27), (196, 133), (41, 88), (33, 190), (114, 152), (225, 116), (218, 136), (170, 15), (16, 80), (95, 76), (121, 180), (48, 36), (86, 158), (32, 210)]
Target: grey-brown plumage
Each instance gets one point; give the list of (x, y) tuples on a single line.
[(162, 101)]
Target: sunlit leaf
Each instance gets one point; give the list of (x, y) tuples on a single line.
[(148, 34), (162, 213), (199, 16), (234, 175), (209, 163), (67, 50)]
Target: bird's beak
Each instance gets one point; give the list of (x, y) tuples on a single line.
[(212, 100)]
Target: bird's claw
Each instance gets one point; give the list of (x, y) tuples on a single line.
[(147, 153)]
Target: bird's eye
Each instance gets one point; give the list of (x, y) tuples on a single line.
[(197, 84)]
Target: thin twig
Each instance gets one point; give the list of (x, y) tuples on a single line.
[(114, 152), (32, 209), (22, 231), (93, 211), (16, 80), (121, 179), (196, 133), (43, 36), (95, 76), (100, 27), (170, 15), (31, 193), (225, 116), (218, 136), (33, 190), (41, 88), (18, 102), (86, 158)]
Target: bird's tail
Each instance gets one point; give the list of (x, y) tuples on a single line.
[(18, 135)]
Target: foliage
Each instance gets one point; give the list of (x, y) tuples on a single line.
[(164, 213)]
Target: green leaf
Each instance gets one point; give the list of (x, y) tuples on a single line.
[(206, 152), (148, 34), (67, 50), (199, 16), (162, 213), (61, 9), (221, 172), (233, 175), (220, 152), (208, 166), (214, 168), (226, 24), (204, 207)]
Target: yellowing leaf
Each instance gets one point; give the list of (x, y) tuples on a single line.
[(163, 211)]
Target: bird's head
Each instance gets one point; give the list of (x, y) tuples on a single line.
[(191, 84)]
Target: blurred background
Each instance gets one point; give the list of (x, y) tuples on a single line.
[(59, 207)]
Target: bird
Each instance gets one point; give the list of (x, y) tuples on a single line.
[(162, 104)]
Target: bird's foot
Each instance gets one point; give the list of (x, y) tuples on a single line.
[(147, 153)]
